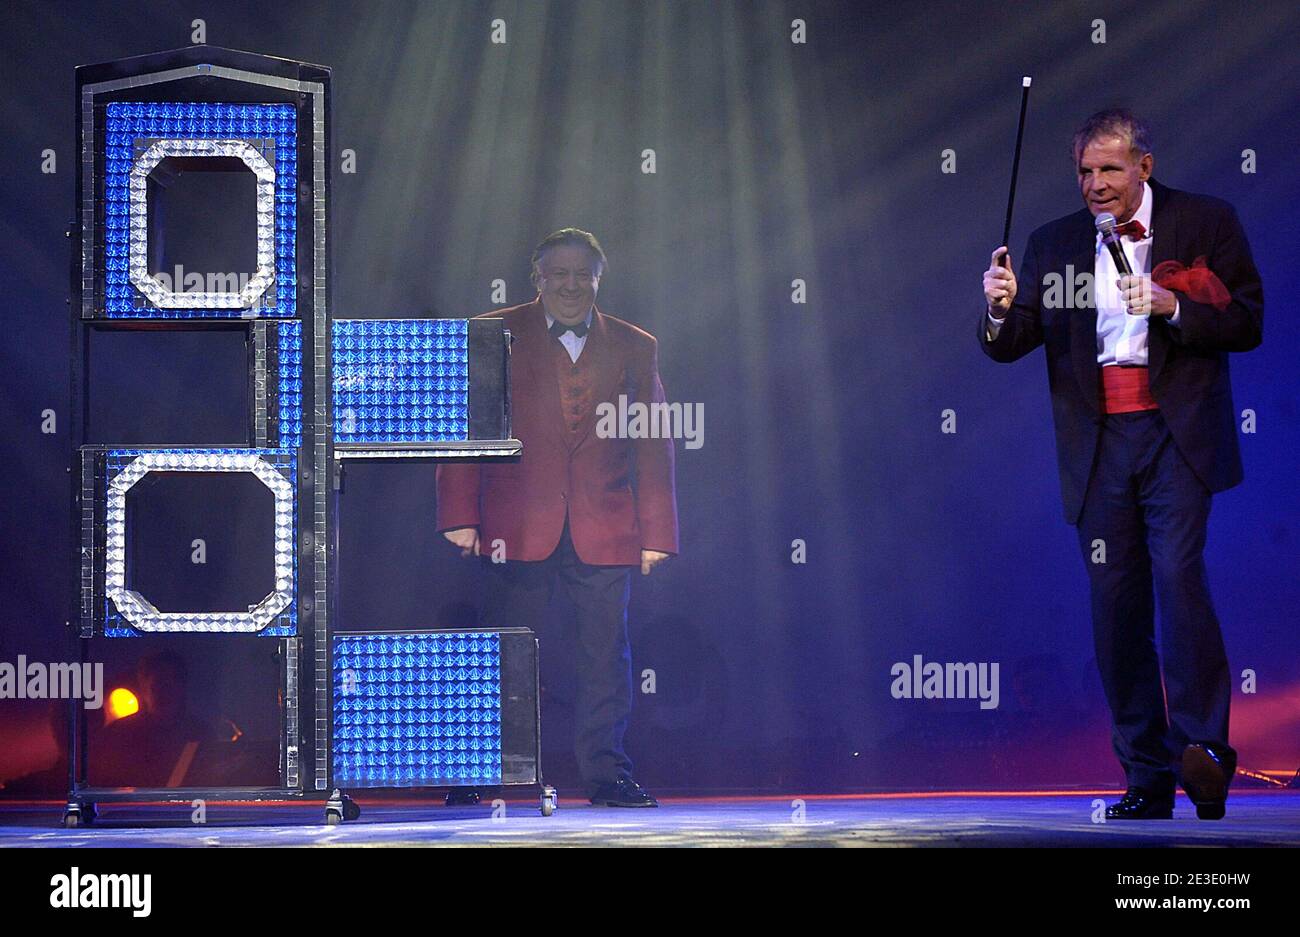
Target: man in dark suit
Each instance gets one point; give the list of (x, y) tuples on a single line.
[(1145, 433), (581, 505)]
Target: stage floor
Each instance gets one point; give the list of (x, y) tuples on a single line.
[(1255, 818)]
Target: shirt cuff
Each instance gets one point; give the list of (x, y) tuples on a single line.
[(1173, 319), (993, 326)]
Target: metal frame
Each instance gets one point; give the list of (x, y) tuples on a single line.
[(473, 448), (537, 697), (310, 92), (306, 673), (340, 806), (148, 283), (141, 613)]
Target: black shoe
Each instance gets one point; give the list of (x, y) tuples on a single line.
[(1206, 774), (463, 797), (1138, 804), (622, 793)]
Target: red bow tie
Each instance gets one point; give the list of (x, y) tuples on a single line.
[(1131, 229)]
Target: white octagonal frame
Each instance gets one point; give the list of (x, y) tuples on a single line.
[(138, 266), (139, 611)]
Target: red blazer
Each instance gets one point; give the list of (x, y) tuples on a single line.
[(620, 494)]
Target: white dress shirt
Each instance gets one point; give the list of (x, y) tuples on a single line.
[(1121, 338), (572, 344)]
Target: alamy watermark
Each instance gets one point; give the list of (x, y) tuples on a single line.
[(180, 280), (952, 680), (78, 889), (37, 680), (1077, 289), (657, 420)]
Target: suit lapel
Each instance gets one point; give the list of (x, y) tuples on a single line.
[(1164, 246), (1081, 254), (606, 367), (539, 362)]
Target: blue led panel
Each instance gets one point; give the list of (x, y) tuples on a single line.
[(417, 710), (125, 123), (288, 389), (401, 380), (279, 611)]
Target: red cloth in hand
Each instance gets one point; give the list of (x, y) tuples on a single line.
[(1197, 281)]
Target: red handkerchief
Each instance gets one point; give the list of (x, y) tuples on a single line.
[(1197, 281)]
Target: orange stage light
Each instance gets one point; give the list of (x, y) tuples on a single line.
[(121, 703)]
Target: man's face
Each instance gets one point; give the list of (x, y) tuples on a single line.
[(570, 277), (1111, 177)]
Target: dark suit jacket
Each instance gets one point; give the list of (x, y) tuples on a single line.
[(619, 494), (1188, 362)]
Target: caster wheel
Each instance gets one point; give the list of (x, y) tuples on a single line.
[(340, 807), (550, 800), (77, 815)]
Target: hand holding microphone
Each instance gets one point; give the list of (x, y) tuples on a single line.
[(1141, 296)]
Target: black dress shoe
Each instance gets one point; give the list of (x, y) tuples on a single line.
[(463, 797), (622, 793), (1206, 774), (1137, 804)]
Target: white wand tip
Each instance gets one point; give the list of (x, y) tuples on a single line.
[(1024, 82)]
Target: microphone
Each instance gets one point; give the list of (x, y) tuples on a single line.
[(1106, 225)]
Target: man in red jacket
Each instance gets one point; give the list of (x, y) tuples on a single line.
[(581, 504)]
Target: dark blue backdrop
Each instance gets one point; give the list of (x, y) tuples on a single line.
[(818, 161)]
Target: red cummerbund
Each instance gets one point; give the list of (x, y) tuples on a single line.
[(1126, 389)]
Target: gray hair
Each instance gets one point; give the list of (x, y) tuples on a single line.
[(1114, 122), (574, 237)]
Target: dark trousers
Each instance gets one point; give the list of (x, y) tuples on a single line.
[(516, 594), (1150, 510)]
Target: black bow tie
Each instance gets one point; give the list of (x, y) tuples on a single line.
[(558, 328)]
